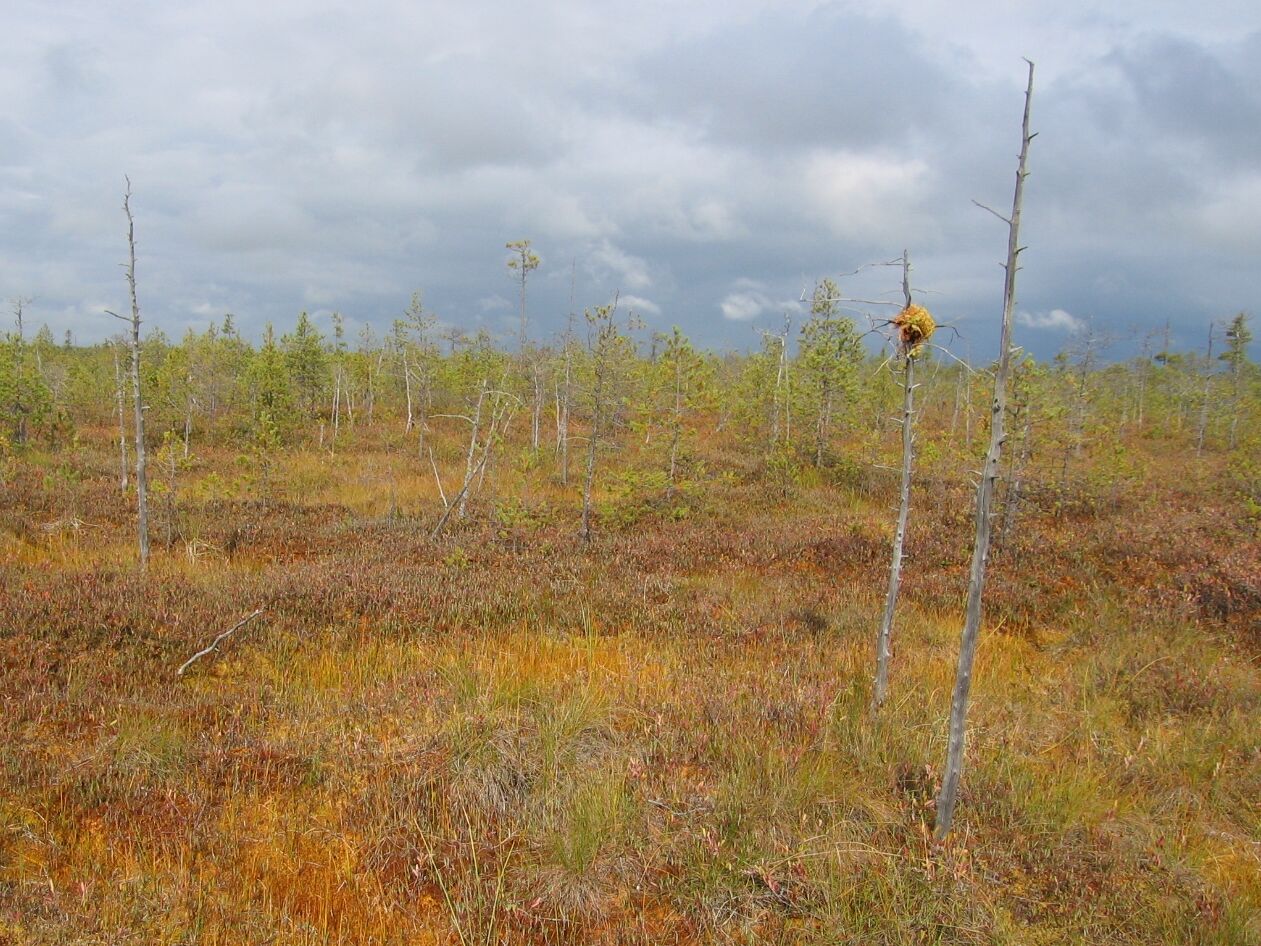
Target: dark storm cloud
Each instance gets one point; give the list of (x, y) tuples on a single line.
[(711, 161), (1185, 91), (778, 83)]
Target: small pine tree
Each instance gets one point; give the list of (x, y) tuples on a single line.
[(681, 379), (270, 385), (830, 355), (307, 364)]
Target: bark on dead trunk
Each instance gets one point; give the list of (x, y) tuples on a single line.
[(949, 794), (119, 391), (883, 642), (142, 479)]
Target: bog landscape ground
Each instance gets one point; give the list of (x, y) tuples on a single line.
[(505, 734)]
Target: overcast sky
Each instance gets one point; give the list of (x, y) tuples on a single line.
[(707, 159)]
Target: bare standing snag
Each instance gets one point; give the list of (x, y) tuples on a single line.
[(985, 495), (142, 482), (915, 326)]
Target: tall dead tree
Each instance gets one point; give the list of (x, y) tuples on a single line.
[(142, 482), (564, 401), (1202, 428), (487, 423), (949, 794), (121, 397), (914, 327), (523, 262), (1022, 425), (20, 407), (781, 416), (608, 346)]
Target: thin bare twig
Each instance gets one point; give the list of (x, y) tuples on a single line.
[(214, 645), (948, 353), (1005, 220)]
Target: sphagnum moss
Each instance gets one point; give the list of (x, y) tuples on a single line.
[(915, 327)]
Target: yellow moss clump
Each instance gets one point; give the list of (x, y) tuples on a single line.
[(915, 326)]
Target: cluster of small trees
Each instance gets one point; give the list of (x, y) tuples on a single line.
[(800, 396), (603, 375)]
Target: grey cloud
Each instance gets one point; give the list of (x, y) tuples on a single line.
[(1193, 93), (298, 154), (833, 78)]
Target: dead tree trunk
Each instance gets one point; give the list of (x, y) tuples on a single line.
[(470, 467), (122, 421), (1204, 400), (537, 377), (781, 418), (782, 382), (19, 406), (985, 497), (564, 397), (676, 420), (604, 396), (336, 413), (142, 482), (954, 417), (373, 374), (475, 465), (589, 478), (407, 388), (883, 649)]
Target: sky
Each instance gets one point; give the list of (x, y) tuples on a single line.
[(707, 161)]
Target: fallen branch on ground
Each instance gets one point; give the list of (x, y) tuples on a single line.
[(214, 645)]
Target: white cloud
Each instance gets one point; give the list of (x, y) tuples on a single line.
[(748, 300), (744, 306), (640, 304), (629, 271), (1057, 320), (873, 195)]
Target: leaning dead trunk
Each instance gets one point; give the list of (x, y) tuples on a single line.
[(407, 388), (500, 412), (948, 796), (470, 467)]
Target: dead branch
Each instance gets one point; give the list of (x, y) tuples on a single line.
[(214, 645), (438, 479)]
